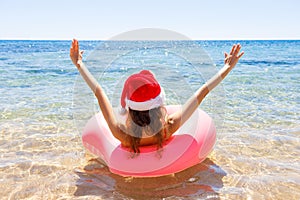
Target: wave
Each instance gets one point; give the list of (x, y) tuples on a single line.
[(270, 62)]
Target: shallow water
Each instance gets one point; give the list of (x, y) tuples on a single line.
[(44, 105)]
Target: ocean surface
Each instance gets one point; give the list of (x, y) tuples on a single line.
[(44, 105)]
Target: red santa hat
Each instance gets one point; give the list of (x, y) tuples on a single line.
[(141, 92)]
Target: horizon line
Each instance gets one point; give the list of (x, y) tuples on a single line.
[(193, 39)]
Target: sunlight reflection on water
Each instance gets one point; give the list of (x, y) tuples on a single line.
[(256, 155)]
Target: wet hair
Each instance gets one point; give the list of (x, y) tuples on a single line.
[(149, 123)]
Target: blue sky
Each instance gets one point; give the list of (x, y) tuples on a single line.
[(197, 19)]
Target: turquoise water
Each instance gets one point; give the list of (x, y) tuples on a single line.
[(45, 104)]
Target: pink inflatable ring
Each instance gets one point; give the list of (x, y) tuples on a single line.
[(187, 147)]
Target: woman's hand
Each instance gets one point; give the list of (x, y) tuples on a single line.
[(76, 54), (234, 56)]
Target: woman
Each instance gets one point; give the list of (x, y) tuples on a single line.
[(142, 97)]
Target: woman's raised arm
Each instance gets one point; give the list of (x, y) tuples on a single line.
[(104, 103), (177, 119)]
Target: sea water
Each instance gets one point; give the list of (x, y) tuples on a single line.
[(44, 104)]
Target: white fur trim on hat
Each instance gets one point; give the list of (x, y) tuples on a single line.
[(147, 105)]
